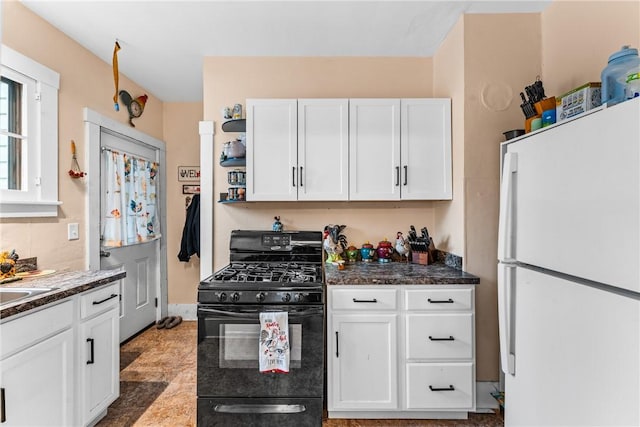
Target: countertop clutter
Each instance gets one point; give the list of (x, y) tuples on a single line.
[(396, 273), (62, 285)]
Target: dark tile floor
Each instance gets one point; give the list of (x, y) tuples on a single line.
[(158, 386)]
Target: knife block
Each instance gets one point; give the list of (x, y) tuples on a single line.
[(421, 258)]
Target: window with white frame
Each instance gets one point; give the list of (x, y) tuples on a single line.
[(28, 137)]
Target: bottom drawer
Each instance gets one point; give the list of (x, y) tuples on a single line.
[(440, 386)]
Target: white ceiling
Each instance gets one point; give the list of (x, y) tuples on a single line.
[(163, 42)]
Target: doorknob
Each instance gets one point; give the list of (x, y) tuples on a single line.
[(104, 254)]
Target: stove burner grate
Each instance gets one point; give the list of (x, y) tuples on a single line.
[(269, 272)]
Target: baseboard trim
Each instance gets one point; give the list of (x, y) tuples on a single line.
[(187, 311)]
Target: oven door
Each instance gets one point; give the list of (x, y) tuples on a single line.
[(228, 342)]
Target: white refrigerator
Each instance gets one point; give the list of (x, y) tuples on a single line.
[(569, 272)]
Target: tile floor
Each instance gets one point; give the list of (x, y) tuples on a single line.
[(158, 386)]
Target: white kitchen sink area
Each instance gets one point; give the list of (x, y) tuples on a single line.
[(9, 295)]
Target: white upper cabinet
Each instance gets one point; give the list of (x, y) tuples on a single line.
[(348, 149), (400, 149), (425, 149), (374, 149), (272, 149), (323, 149)]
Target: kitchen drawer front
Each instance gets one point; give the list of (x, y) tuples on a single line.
[(440, 386), (99, 301), (439, 299), (440, 336), (35, 326), (370, 299)]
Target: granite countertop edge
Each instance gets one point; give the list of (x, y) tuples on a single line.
[(396, 273), (63, 285)]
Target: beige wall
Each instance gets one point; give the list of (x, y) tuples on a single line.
[(232, 80), (491, 106), (579, 36), (183, 149), (85, 81)]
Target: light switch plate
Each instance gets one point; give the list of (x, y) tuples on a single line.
[(72, 231)]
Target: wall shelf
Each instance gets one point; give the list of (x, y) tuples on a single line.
[(233, 161), (238, 125)]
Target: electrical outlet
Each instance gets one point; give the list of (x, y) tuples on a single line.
[(72, 231)]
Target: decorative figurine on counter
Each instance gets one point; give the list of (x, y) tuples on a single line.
[(352, 254), (334, 242), (8, 264), (277, 225), (367, 251), (384, 251), (402, 246)]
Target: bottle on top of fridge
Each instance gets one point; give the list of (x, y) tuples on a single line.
[(615, 73)]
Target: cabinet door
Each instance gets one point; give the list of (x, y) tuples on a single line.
[(38, 383), (99, 363), (272, 162), (374, 149), (363, 362), (323, 149), (426, 149)]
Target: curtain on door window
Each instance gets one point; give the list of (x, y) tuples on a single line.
[(129, 213)]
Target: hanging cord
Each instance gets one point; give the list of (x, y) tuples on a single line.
[(116, 48)]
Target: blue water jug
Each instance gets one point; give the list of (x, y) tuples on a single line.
[(615, 73)]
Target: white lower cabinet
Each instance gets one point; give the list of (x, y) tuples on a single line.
[(46, 379), (405, 351), (365, 361), (100, 352), (37, 382)]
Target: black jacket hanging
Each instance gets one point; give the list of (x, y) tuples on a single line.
[(191, 233)]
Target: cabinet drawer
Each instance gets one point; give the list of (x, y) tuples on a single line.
[(363, 299), (34, 327), (440, 336), (439, 299), (100, 300), (439, 386)]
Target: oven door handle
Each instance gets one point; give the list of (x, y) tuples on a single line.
[(260, 409), (255, 314)]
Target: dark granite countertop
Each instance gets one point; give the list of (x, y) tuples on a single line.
[(62, 285), (396, 273)]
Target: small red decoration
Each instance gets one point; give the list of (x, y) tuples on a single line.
[(75, 171)]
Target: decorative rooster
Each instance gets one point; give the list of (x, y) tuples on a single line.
[(402, 246), (334, 242)]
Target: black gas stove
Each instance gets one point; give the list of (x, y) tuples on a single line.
[(268, 268), (267, 272)]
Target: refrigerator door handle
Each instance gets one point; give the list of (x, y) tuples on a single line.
[(505, 318), (505, 227)]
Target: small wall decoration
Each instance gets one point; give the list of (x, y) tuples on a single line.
[(190, 189), (135, 107), (188, 173), (75, 171)]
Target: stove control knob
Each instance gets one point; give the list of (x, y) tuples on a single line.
[(286, 297), (298, 297), (235, 297), (260, 296), (222, 297)]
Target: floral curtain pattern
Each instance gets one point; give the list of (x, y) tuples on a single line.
[(129, 213)]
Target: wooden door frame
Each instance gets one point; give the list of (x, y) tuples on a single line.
[(93, 123)]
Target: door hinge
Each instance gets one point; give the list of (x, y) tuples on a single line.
[(38, 96), (156, 302)]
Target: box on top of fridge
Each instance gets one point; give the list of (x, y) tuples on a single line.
[(578, 100)]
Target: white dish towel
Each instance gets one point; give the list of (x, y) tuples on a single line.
[(274, 342)]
